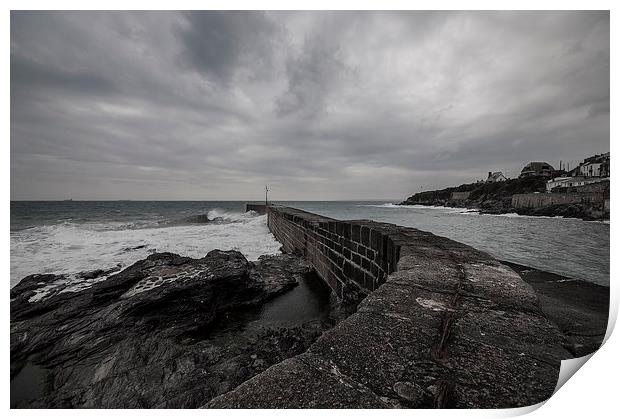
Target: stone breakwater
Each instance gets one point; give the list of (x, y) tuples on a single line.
[(441, 325)]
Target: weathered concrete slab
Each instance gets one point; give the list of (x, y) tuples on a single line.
[(372, 349), (492, 377), (513, 331), (301, 382), (500, 284)]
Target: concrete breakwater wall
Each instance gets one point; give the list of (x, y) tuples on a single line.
[(354, 258), (443, 325), (537, 200)]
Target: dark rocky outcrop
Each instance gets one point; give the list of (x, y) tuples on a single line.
[(29, 284), (129, 249), (587, 212), (197, 219), (97, 273), (140, 338)]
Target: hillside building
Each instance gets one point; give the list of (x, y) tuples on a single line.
[(537, 168), (495, 177), (594, 166), (573, 182)]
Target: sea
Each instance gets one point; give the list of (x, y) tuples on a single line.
[(67, 237)]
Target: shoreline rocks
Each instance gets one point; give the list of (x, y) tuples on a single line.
[(140, 338), (197, 219), (579, 211)]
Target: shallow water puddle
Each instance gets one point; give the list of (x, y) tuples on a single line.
[(28, 384)]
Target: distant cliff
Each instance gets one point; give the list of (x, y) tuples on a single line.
[(496, 198)]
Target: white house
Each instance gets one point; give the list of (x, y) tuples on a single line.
[(590, 169), (565, 182), (595, 166), (496, 177)]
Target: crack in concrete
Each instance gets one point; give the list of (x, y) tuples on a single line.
[(439, 351)]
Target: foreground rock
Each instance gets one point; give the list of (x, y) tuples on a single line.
[(139, 338)]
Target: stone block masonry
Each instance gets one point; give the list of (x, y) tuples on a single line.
[(354, 258), (443, 325), (537, 200)]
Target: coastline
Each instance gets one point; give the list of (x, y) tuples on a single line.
[(576, 211), (523, 196)]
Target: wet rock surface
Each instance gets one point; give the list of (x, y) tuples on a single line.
[(143, 337), (586, 212), (580, 309)]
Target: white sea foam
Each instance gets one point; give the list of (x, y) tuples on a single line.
[(469, 211), (386, 205), (515, 215), (452, 210), (600, 221), (70, 247), (232, 217)]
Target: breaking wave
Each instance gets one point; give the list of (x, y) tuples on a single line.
[(69, 247)]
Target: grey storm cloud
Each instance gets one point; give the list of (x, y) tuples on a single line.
[(319, 105), (217, 43)]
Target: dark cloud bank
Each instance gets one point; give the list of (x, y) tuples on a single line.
[(340, 105)]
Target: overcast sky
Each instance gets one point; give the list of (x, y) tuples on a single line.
[(338, 105)]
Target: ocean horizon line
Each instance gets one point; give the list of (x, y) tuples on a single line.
[(209, 200)]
